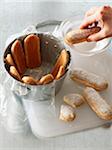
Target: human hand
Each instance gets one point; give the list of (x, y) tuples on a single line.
[(102, 16)]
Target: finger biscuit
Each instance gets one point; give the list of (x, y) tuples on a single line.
[(73, 99), (46, 79), (29, 80), (61, 61), (32, 51), (67, 113), (18, 56), (9, 60), (60, 73), (97, 103), (80, 35), (88, 79), (13, 71)]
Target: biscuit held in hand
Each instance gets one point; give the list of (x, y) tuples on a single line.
[(67, 113), (29, 80), (73, 99), (62, 60), (97, 103), (18, 55), (13, 71), (80, 35), (46, 79), (32, 51), (88, 79), (9, 60)]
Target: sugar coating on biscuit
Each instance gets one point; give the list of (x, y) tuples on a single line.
[(84, 75), (67, 113), (94, 97), (74, 99), (80, 35)]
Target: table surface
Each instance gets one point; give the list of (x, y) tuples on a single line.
[(14, 17)]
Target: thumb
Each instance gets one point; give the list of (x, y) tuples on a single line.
[(97, 36)]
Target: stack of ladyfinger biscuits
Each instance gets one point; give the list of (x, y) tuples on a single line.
[(27, 54), (93, 83)]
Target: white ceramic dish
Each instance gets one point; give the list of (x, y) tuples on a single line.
[(44, 120)]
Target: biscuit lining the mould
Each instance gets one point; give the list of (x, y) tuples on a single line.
[(50, 54)]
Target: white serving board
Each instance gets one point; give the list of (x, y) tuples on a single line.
[(45, 122)]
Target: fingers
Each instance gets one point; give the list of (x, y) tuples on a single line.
[(88, 17), (102, 16), (91, 11), (88, 21), (98, 36)]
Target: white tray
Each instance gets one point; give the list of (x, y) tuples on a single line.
[(46, 123)]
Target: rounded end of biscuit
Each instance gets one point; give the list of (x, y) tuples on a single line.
[(14, 73), (67, 41), (29, 80), (46, 79), (67, 113)]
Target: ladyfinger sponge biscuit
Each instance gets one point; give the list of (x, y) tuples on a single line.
[(13, 71), (18, 56), (62, 60), (67, 113), (29, 80), (80, 35), (60, 73), (73, 99), (9, 60), (32, 51), (46, 79), (88, 79), (97, 103)]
